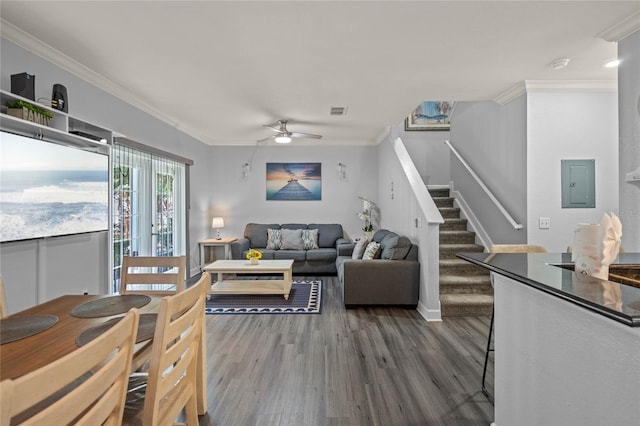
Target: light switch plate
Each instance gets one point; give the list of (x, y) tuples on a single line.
[(544, 223)]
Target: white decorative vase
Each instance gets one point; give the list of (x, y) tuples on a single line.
[(254, 260)]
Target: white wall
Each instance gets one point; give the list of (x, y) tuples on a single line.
[(492, 140), (429, 154), (569, 126), (629, 125), (242, 200)]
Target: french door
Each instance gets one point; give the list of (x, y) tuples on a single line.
[(149, 207)]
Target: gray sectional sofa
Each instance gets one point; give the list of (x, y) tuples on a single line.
[(321, 260), (391, 278)]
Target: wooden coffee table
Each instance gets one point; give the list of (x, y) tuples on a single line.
[(251, 286)]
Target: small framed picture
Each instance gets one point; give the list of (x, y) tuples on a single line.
[(430, 115)]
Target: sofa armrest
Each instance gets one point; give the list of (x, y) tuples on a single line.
[(380, 282), (239, 246), (344, 247)]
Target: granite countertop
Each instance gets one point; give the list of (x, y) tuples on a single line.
[(552, 273)]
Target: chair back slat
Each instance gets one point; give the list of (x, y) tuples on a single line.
[(153, 275), (87, 386), (171, 387)]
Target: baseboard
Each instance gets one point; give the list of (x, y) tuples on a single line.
[(195, 272), (431, 315), (475, 224)]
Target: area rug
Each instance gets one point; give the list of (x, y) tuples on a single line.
[(305, 298)]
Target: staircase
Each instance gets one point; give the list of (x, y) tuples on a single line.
[(465, 289)]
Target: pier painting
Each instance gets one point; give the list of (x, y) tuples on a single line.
[(294, 181)]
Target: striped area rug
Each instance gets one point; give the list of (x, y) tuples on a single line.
[(305, 298)]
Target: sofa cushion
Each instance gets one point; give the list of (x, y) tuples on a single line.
[(310, 239), (274, 239), (358, 250), (298, 255), (291, 239), (257, 233), (328, 234), (293, 226), (380, 234), (371, 251), (394, 247), (322, 255)]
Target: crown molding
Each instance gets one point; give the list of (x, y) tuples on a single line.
[(511, 94), (622, 29), (555, 86), (43, 50)]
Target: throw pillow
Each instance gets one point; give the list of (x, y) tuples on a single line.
[(395, 247), (274, 239), (310, 238), (358, 250), (371, 250), (291, 239)]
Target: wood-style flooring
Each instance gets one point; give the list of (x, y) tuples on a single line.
[(366, 366)]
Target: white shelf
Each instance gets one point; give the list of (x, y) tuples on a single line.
[(62, 128)]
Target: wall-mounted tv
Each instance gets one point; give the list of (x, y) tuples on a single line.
[(47, 189)]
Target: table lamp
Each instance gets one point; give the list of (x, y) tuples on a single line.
[(216, 224)]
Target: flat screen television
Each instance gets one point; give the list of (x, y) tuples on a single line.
[(47, 189)]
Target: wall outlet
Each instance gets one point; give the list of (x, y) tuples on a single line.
[(85, 292), (544, 223)]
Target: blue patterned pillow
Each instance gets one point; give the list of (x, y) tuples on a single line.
[(310, 239), (274, 239)]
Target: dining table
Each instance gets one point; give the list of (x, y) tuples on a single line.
[(27, 354)]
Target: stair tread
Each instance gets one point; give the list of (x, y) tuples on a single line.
[(461, 246), (454, 262), (465, 279), (466, 299), (457, 231)]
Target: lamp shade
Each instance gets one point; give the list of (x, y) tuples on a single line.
[(217, 222)]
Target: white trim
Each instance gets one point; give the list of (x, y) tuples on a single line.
[(511, 94), (437, 187), (558, 86), (571, 86), (622, 29), (430, 315), (472, 219)]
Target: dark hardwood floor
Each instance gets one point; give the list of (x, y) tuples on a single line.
[(365, 366)]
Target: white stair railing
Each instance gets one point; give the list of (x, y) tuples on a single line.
[(484, 187)]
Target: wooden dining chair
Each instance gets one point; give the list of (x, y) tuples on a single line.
[(152, 275), (172, 379), (87, 386), (3, 303), (503, 248)]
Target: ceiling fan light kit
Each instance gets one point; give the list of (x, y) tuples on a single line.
[(284, 136)]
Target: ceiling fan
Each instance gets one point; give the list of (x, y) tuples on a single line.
[(284, 136)]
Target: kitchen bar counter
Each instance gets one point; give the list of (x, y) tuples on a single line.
[(566, 346), (617, 299)]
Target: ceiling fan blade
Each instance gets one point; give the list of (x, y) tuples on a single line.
[(304, 135), (278, 126)]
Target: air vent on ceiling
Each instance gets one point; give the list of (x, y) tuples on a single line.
[(338, 111)]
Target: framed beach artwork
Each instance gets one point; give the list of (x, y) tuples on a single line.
[(294, 181), (430, 115)]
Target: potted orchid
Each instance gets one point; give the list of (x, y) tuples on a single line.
[(254, 256), (366, 216)]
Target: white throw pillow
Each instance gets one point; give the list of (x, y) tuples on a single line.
[(274, 239), (358, 250), (291, 239), (310, 238), (371, 250)]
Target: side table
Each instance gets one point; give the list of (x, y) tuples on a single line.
[(213, 242)]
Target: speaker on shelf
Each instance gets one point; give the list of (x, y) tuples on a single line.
[(59, 98), (24, 85)]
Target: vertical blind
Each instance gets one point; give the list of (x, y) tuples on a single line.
[(149, 214)]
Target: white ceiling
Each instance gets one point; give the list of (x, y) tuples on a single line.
[(221, 70)]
